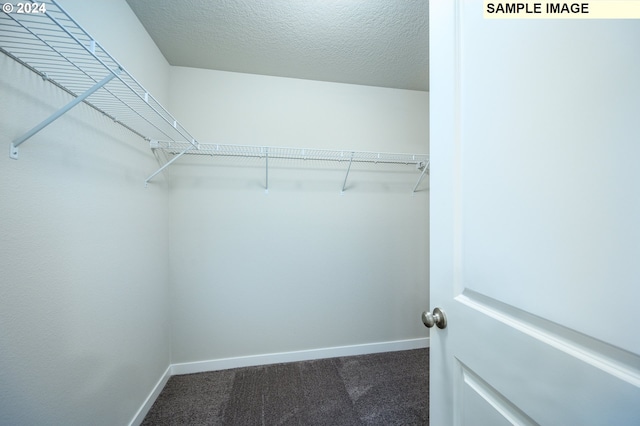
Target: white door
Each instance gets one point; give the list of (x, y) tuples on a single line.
[(535, 219)]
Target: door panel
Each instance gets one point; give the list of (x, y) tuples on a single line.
[(550, 130), (481, 404), (552, 374), (535, 212)]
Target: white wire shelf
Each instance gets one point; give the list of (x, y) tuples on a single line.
[(171, 151), (311, 154), (53, 45)]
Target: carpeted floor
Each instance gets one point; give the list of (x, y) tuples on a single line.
[(378, 389)]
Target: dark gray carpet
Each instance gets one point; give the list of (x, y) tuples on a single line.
[(379, 389)]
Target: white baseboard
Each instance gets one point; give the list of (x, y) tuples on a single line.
[(305, 355), (273, 358), (142, 412)]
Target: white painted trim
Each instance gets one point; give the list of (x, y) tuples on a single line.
[(144, 409), (274, 358), (306, 355)]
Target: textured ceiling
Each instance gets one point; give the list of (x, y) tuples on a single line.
[(369, 42)]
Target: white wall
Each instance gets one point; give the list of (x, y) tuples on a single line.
[(302, 267), (83, 251)]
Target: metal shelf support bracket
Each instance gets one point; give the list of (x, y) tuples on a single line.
[(266, 167), (13, 153), (344, 184), (424, 171), (168, 163)]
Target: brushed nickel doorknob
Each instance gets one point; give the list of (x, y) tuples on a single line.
[(437, 318)]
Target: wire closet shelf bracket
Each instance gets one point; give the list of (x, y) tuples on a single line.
[(48, 41)]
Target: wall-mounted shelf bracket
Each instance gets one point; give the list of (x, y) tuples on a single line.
[(154, 144), (13, 151), (344, 184), (266, 168), (425, 169), (53, 117)]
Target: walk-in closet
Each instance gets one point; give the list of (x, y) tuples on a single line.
[(161, 219), (246, 212)]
